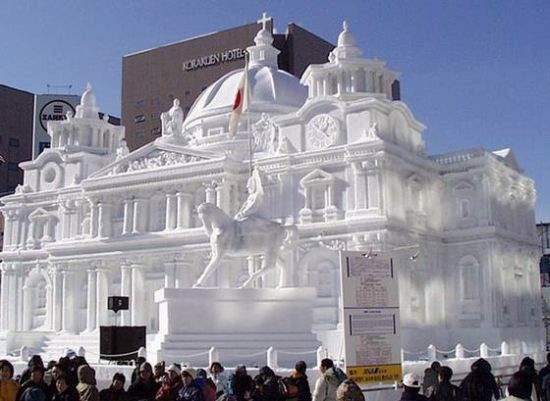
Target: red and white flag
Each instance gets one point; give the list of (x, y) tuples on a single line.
[(240, 104)]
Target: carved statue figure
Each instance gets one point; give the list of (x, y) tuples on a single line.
[(172, 121), (246, 235)]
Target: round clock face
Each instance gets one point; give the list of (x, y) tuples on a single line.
[(323, 131)]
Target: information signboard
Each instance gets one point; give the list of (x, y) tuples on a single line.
[(371, 318)]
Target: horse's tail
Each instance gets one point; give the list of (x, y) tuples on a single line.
[(291, 234)]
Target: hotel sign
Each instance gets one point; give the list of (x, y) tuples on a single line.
[(213, 59)]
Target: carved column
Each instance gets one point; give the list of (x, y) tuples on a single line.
[(104, 220), (68, 301), (65, 221), (15, 230), (31, 241), (140, 216), (93, 219), (128, 223), (91, 321), (77, 219), (137, 299), (171, 211), (7, 230), (374, 188), (185, 208), (13, 299), (4, 298), (27, 307), (169, 275), (126, 291), (361, 201), (57, 301), (210, 193), (102, 292)]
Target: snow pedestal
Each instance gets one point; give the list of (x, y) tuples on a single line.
[(242, 324)]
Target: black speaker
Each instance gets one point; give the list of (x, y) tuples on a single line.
[(120, 343), (117, 303)]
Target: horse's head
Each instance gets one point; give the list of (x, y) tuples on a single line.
[(212, 215)]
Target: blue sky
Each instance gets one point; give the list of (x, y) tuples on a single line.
[(477, 73)]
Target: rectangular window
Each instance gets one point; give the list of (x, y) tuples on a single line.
[(12, 166), (14, 142), (140, 118)]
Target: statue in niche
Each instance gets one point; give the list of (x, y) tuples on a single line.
[(172, 121), (245, 235)]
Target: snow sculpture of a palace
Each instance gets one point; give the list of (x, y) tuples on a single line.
[(337, 158)]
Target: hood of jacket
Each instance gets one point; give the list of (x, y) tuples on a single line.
[(86, 375)]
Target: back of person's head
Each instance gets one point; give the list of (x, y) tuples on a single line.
[(140, 360), (36, 360), (520, 385), (202, 373), (527, 364), (435, 366), (327, 363), (481, 366), (266, 372), (5, 364), (300, 367), (240, 370), (86, 375), (348, 390), (445, 374)]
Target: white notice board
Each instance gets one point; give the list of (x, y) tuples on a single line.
[(370, 302)]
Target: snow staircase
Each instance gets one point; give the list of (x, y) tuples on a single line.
[(56, 345)]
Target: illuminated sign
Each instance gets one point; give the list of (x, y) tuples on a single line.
[(54, 110), (213, 59)]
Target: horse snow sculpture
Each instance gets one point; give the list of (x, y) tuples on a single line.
[(245, 235)]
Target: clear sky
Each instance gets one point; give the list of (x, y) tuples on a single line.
[(477, 73)]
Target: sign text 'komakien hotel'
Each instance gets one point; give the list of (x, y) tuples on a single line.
[(213, 59)]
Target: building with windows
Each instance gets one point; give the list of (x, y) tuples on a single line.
[(543, 231), (151, 79), (340, 161)]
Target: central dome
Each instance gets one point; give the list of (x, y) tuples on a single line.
[(272, 91)]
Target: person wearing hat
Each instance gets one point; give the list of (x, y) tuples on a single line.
[(145, 387), (36, 381), (411, 388), (189, 390), (171, 384), (115, 392)]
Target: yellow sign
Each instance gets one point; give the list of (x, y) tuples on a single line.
[(375, 373)]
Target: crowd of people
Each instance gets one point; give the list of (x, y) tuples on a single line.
[(73, 379), (479, 384)]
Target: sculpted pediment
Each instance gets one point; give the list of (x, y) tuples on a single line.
[(153, 157)]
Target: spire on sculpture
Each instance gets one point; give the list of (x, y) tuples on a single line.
[(263, 53), (347, 46)]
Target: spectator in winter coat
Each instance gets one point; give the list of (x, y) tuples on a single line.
[(86, 386), (267, 386), (36, 360), (297, 385), (115, 392), (479, 384), (411, 388), (445, 390), (35, 381), (8, 386), (189, 391), (327, 384), (527, 365), (171, 385), (542, 379), (520, 387), (349, 391), (145, 387), (159, 371), (205, 385), (430, 378), (220, 379), (135, 373), (63, 391), (241, 384)]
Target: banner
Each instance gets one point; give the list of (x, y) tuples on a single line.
[(370, 303)]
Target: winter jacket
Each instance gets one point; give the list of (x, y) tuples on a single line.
[(110, 394), (412, 396), (190, 393), (70, 394), (240, 385), (8, 390), (221, 381), (444, 392), (169, 390), (299, 384), (86, 386), (141, 390), (430, 381), (349, 391), (479, 386), (207, 388), (31, 384), (26, 375), (327, 384)]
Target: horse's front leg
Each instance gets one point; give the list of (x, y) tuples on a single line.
[(209, 269)]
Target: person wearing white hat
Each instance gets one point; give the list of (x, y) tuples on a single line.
[(171, 384), (189, 391), (411, 388)]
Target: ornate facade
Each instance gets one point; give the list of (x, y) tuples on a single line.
[(339, 159)]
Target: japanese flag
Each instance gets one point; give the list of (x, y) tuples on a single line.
[(240, 104)]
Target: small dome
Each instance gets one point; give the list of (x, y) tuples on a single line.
[(271, 90), (88, 97), (88, 105), (346, 38)]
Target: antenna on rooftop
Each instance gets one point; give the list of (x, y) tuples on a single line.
[(65, 89)]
